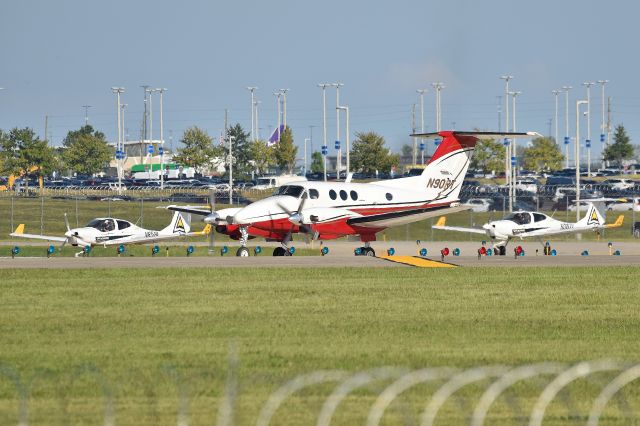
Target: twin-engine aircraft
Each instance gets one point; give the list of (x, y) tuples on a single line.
[(106, 231), (328, 210), (524, 224)]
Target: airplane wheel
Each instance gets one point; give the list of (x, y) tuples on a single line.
[(242, 252), (368, 251), (503, 250), (279, 251)]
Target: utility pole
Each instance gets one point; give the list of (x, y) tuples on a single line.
[(324, 127), (118, 91), (252, 89), (257, 128), (339, 156), (284, 106), (602, 125), (438, 86), (507, 159), (278, 95), (348, 138), (421, 92), (555, 120), (161, 91), (577, 154), (566, 124), (86, 114), (499, 107), (514, 158), (145, 116), (413, 132), (588, 85)]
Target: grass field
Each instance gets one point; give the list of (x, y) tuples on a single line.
[(156, 334)]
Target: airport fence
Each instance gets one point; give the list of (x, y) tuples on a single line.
[(602, 391), (43, 211)]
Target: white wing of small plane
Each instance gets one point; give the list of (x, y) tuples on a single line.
[(19, 232)]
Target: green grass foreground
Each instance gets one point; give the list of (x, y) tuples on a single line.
[(149, 335)]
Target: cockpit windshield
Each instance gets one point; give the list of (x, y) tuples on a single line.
[(102, 225), (291, 190), (520, 218)]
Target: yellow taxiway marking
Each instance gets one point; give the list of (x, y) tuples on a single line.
[(420, 262)]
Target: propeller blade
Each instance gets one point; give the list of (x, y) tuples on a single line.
[(212, 232), (66, 222), (283, 207)]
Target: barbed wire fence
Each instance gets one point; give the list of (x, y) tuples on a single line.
[(602, 391)]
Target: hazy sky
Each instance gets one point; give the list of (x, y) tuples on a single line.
[(59, 55)]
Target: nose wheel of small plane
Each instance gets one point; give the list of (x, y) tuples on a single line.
[(365, 251), (242, 252)]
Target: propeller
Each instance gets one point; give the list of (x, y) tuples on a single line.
[(66, 222), (212, 232), (296, 219)]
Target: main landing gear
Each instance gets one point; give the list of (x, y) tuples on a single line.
[(367, 250), (281, 251), (243, 251), (500, 250)]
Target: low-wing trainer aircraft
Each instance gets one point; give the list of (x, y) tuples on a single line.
[(105, 231), (328, 210), (525, 224)]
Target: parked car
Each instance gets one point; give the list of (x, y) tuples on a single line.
[(624, 205), (620, 184), (478, 204), (527, 184)]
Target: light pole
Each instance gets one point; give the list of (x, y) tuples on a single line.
[(438, 86), (577, 154), (284, 106), (151, 91), (566, 124), (118, 91), (555, 94), (161, 150), (86, 113), (507, 159), (257, 128), (588, 85), (421, 92), (252, 89), (278, 95), (305, 155), (602, 125), (347, 138), (338, 145), (324, 126), (144, 132), (514, 163), (230, 169)]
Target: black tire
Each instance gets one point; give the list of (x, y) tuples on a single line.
[(279, 251), (503, 250), (368, 251), (242, 252)]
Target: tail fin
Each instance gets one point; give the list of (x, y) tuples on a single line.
[(180, 224), (592, 218), (441, 221)]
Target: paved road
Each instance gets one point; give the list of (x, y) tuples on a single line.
[(305, 262)]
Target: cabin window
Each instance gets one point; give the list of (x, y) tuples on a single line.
[(292, 190), (333, 195), (537, 217), (343, 195), (123, 224), (314, 194), (389, 196), (354, 195)]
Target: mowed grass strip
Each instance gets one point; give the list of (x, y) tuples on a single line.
[(143, 328)]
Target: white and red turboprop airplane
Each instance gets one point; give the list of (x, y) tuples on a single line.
[(329, 210)]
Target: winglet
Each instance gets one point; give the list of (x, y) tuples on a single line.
[(205, 231), (617, 223), (19, 229), (441, 221)]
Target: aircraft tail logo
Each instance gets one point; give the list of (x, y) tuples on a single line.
[(179, 226)]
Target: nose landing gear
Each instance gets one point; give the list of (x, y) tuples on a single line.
[(243, 251), (367, 250)]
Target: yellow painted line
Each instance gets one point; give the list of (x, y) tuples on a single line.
[(419, 262)]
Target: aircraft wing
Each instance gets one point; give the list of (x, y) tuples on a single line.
[(19, 232), (460, 229), (402, 217), (199, 210)]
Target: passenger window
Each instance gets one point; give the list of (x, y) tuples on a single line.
[(389, 196), (314, 194), (537, 217), (343, 195), (354, 195), (332, 194), (123, 224)]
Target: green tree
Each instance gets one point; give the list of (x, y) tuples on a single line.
[(285, 151), (262, 155), (369, 154), (22, 152), (407, 150), (86, 151), (241, 150), (543, 154), (317, 163), (488, 156), (198, 150), (621, 148)]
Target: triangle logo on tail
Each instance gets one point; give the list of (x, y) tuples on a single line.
[(593, 218), (179, 226)]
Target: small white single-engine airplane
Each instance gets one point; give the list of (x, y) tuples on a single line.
[(524, 224), (106, 231), (328, 210)]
